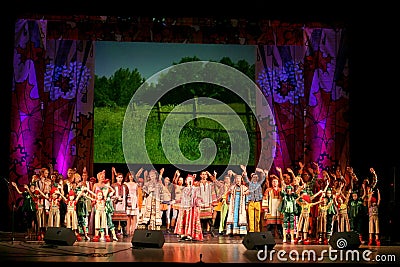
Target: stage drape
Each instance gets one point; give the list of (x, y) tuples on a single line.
[(52, 102), (305, 82)]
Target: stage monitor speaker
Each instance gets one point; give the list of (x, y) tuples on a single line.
[(258, 240), (148, 238), (59, 236), (345, 240)]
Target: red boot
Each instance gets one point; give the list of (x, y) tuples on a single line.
[(96, 238), (78, 237), (108, 239), (378, 242), (370, 242)]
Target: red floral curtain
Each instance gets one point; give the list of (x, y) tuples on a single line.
[(52, 102), (305, 82)]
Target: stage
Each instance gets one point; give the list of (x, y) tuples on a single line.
[(215, 250)]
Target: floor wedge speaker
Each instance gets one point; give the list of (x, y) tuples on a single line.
[(148, 238), (258, 240), (60, 236), (345, 240)]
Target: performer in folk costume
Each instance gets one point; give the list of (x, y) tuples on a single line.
[(288, 208), (236, 221), (355, 209), (322, 219), (271, 201), (100, 216), (103, 209), (373, 213), (304, 200), (222, 194), (188, 225), (132, 208), (141, 201), (254, 197), (109, 194), (209, 200), (28, 208), (84, 205), (178, 183), (120, 200), (55, 202), (153, 190), (166, 204), (71, 217), (342, 216)]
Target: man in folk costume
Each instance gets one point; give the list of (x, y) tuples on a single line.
[(166, 204), (141, 203), (222, 194), (208, 195), (84, 205), (236, 221), (108, 192), (255, 197), (153, 190), (44, 184), (271, 200), (120, 197), (68, 185)]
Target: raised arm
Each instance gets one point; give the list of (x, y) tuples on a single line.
[(90, 192), (16, 188), (291, 173), (42, 194), (263, 176), (138, 173), (177, 174), (113, 174), (379, 197), (317, 194), (301, 165), (279, 170), (244, 174), (62, 196), (29, 191), (374, 178), (266, 172), (79, 195)]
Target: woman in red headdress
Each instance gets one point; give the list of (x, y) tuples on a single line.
[(55, 199), (71, 217), (305, 202), (188, 225)]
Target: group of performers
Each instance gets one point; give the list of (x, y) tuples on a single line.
[(303, 207)]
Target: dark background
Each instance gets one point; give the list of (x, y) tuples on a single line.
[(374, 75)]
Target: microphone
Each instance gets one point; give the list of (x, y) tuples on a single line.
[(4, 178), (201, 261)]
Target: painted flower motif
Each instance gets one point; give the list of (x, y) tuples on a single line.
[(284, 84), (65, 81)]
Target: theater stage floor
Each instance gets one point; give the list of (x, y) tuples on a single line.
[(216, 250)]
